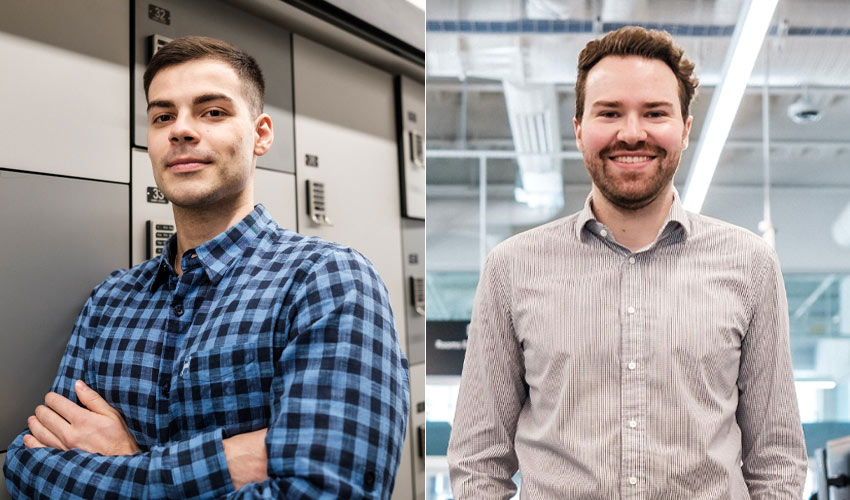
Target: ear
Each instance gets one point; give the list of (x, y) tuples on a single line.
[(263, 134), (686, 132), (577, 129)]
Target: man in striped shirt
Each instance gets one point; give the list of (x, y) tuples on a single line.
[(632, 350)]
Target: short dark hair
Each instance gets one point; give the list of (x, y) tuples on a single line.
[(637, 41), (193, 48)]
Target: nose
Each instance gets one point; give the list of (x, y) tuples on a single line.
[(183, 129), (631, 130)]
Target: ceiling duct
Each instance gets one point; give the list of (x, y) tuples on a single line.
[(533, 116)]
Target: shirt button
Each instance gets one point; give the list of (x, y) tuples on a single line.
[(631, 260), (603, 233), (632, 480), (631, 310), (632, 424), (632, 365), (178, 309), (165, 390)]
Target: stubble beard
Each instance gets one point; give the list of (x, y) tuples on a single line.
[(213, 185), (632, 190)]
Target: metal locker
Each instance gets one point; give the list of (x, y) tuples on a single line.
[(413, 242), (148, 205), (276, 191), (62, 237), (65, 83), (410, 130), (268, 43), (417, 428), (4, 493)]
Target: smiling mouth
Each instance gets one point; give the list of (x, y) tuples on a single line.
[(632, 159)]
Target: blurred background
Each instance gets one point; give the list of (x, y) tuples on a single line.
[(502, 158)]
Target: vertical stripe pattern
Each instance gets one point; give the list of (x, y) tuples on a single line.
[(602, 373)]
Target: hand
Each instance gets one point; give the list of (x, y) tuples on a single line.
[(246, 457), (62, 424)]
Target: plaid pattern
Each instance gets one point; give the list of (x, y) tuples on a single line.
[(265, 328)]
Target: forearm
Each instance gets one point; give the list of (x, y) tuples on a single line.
[(772, 442), (481, 455), (195, 468), (299, 488)]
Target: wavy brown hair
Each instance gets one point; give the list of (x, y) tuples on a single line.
[(637, 41)]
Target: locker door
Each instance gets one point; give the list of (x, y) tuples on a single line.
[(276, 191), (148, 204), (345, 138), (64, 84), (4, 493), (410, 97), (417, 428), (61, 238), (413, 232)]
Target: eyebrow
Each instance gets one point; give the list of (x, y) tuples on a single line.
[(201, 99), (658, 104), (606, 104), (616, 104)]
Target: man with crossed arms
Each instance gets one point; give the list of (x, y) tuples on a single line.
[(247, 361)]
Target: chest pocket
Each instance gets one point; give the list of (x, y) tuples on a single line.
[(221, 388)]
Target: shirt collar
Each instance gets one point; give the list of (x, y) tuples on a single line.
[(217, 254), (676, 216)]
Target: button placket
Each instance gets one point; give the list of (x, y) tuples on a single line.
[(633, 390)]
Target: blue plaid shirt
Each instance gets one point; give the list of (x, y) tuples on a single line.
[(264, 328)]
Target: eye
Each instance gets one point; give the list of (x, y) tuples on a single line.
[(609, 114), (215, 113), (161, 119), (656, 114)]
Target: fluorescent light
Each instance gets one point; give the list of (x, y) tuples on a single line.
[(743, 50), (816, 384)]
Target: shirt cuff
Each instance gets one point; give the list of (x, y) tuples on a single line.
[(194, 468)]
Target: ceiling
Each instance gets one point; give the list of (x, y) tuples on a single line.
[(475, 46)]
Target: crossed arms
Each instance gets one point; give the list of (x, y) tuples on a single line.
[(98, 428), (331, 431)]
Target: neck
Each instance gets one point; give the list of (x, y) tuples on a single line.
[(197, 225), (634, 229)]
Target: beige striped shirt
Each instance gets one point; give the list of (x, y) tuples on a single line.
[(602, 373)]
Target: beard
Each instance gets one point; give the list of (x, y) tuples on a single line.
[(632, 190)]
